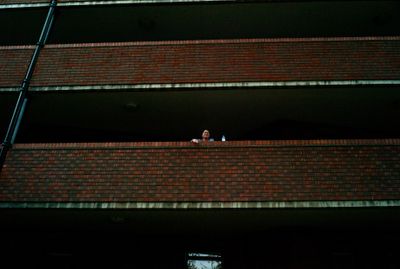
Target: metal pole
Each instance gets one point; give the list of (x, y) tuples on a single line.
[(20, 106)]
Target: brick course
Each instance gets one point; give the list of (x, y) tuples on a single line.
[(241, 171), (14, 61), (219, 61), (212, 61)]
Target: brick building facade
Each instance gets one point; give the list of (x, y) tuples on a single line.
[(96, 117)]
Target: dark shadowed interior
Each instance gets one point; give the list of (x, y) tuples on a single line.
[(239, 114)]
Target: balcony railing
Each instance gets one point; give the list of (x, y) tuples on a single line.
[(214, 172)]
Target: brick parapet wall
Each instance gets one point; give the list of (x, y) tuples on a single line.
[(234, 171), (14, 61), (218, 62), (211, 61)]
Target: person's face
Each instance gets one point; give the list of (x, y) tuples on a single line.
[(206, 134)]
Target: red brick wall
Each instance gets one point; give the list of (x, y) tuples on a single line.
[(214, 61), (231, 171), (219, 61), (14, 61)]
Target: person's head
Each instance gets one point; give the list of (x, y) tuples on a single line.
[(205, 135)]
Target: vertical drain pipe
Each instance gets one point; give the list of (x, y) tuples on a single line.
[(20, 106)]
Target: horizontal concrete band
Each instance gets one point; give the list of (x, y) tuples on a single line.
[(218, 85), (201, 205), (25, 5), (110, 2)]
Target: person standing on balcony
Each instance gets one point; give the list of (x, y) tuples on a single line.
[(205, 137)]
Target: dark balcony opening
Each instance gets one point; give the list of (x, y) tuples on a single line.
[(7, 104), (120, 23), (275, 238), (238, 114), (21, 26)]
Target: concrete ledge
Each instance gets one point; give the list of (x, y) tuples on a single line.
[(203, 205), (226, 144)]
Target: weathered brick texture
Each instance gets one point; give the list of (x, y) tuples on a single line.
[(231, 171), (14, 61), (219, 61)]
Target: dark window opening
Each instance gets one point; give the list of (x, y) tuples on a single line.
[(342, 260)]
